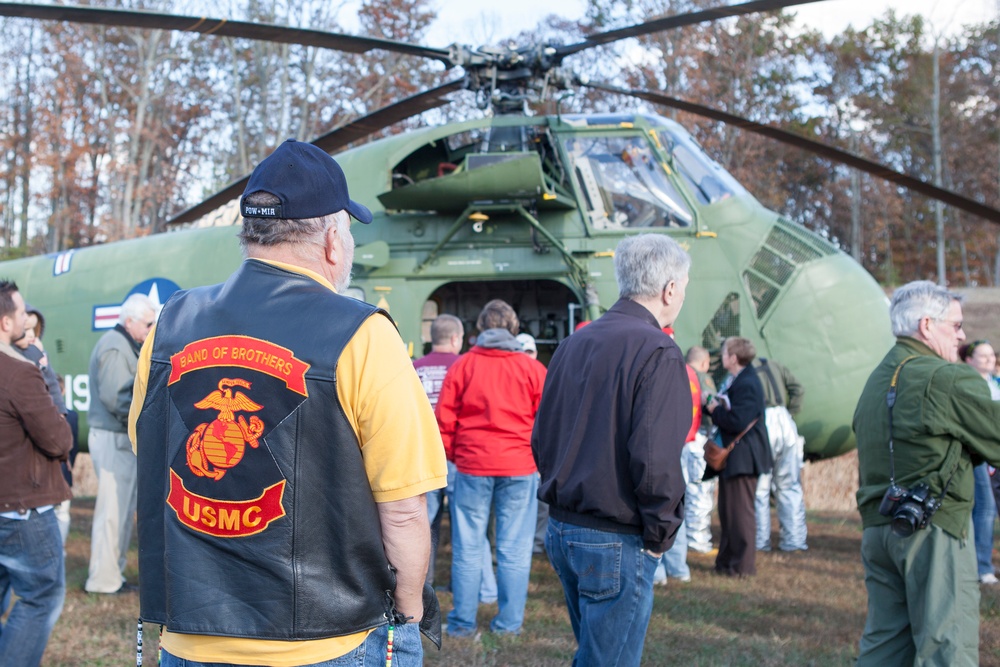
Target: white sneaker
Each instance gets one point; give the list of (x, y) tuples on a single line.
[(989, 579)]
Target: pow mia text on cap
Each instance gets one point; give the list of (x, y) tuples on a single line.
[(261, 211)]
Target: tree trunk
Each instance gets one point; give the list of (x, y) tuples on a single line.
[(26, 139)]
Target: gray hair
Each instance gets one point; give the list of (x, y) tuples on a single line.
[(914, 301), (272, 231), (135, 308), (444, 327), (646, 263)]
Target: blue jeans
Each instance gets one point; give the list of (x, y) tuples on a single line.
[(984, 513), (515, 505), (31, 564), (407, 651), (608, 582), (435, 500)]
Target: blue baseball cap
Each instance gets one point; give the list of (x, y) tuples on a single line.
[(308, 182)]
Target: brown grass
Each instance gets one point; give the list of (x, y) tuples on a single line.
[(804, 609)]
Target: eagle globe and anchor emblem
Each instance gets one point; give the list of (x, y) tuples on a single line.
[(214, 448)]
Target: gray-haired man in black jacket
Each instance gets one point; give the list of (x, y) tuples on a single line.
[(615, 410)]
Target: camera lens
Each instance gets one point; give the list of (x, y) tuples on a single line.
[(906, 519), (902, 526)]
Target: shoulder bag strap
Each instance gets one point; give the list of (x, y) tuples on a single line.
[(743, 432)]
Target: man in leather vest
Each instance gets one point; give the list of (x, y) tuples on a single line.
[(285, 448)]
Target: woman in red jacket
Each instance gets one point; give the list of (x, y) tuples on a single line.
[(486, 412)]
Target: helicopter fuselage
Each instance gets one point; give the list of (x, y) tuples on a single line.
[(530, 210)]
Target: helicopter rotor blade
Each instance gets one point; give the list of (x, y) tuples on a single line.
[(220, 27), (335, 140), (823, 150), (388, 115), (678, 21)]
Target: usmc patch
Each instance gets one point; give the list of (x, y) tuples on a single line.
[(230, 392)]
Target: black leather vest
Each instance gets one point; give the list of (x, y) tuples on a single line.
[(255, 515)]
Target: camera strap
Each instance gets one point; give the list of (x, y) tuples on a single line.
[(890, 400)]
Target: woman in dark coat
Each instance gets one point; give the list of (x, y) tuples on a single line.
[(749, 459)]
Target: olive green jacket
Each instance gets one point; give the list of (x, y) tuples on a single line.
[(789, 390), (944, 422)]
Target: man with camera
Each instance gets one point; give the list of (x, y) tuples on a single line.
[(922, 423)]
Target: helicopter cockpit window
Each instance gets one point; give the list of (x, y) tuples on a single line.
[(624, 185), (708, 181)]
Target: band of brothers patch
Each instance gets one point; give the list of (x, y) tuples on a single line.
[(244, 352), (230, 391)]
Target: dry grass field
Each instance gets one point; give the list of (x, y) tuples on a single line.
[(801, 609)]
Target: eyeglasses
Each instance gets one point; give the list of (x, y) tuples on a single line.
[(957, 325)]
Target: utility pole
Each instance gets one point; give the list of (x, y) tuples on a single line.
[(996, 259), (938, 181), (856, 203)]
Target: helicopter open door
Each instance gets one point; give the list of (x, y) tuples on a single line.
[(547, 309)]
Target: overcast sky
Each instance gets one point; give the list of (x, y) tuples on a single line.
[(464, 20)]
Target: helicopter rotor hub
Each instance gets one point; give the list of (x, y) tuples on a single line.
[(507, 77)]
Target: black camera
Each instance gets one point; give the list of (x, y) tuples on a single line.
[(910, 509)]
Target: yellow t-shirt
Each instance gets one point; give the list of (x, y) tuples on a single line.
[(402, 451)]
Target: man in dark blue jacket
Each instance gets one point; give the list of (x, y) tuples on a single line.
[(615, 410)]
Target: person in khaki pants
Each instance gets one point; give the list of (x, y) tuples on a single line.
[(920, 565), (112, 374)]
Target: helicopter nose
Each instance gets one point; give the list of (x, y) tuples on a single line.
[(831, 324)]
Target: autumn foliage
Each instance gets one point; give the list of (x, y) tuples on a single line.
[(108, 132)]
